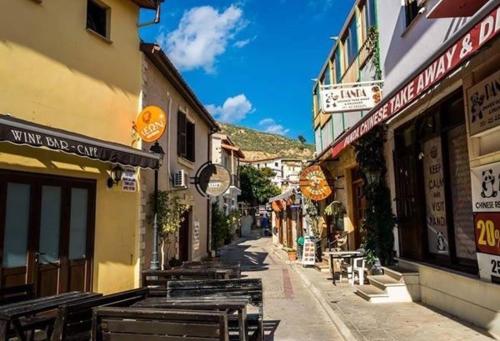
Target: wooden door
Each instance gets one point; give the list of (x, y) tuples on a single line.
[(46, 232), (184, 237), (289, 237), (359, 208), (408, 204)]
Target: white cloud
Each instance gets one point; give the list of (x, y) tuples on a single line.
[(233, 110), (242, 43), (202, 35), (269, 125)]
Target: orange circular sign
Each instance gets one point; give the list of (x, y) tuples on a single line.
[(314, 184), (151, 123)]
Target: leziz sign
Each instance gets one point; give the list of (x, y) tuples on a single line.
[(151, 123), (484, 104), (338, 98)]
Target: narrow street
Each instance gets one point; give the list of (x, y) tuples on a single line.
[(290, 311)]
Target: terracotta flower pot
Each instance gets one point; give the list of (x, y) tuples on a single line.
[(292, 255)]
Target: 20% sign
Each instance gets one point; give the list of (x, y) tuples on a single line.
[(488, 232)]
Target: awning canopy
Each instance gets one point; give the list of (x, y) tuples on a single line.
[(455, 8), (23, 132)]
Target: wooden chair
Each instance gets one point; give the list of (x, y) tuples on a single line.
[(74, 320), (112, 323), (250, 288), (16, 294)]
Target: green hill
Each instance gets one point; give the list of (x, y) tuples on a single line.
[(257, 145)]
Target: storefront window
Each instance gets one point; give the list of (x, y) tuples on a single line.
[(16, 225), (78, 223)]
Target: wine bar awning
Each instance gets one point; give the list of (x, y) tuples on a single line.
[(473, 36), (17, 131), (455, 8)]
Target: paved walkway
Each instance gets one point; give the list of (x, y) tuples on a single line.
[(290, 310), (303, 304)]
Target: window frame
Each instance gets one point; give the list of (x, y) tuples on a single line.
[(186, 137), (412, 11), (107, 12)]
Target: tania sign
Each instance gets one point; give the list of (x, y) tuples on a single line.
[(340, 98), (151, 123)]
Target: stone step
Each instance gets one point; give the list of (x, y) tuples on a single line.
[(399, 273), (384, 281), (372, 294), (322, 267)]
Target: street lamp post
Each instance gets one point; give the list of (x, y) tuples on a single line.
[(155, 262)]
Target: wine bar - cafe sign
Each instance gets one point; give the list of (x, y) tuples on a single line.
[(453, 57), (485, 182)]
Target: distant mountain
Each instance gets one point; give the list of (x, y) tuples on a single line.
[(257, 145)]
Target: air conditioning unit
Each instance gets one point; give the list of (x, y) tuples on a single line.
[(180, 179)]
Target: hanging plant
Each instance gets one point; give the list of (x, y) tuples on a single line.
[(372, 45), (378, 238), (170, 211)]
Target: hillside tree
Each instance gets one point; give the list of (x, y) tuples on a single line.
[(256, 185)]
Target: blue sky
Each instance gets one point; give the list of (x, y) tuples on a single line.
[(251, 61)]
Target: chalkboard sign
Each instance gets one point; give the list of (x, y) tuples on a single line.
[(309, 253)]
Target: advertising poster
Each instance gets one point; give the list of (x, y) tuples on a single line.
[(129, 181), (484, 104)]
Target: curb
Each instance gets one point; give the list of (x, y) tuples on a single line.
[(322, 299)]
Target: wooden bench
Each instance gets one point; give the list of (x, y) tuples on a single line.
[(160, 278), (16, 294), (74, 320), (215, 264), (112, 323), (250, 288)]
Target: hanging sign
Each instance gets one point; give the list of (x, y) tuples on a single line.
[(341, 99), (212, 179), (484, 104), (151, 123), (129, 181), (314, 184)]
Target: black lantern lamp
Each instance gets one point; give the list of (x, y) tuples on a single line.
[(116, 175)]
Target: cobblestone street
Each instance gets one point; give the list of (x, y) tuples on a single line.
[(290, 311)]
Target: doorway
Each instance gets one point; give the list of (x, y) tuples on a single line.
[(184, 236), (359, 206), (46, 232)]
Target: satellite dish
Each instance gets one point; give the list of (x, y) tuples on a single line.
[(212, 179)]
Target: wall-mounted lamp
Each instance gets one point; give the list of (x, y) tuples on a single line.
[(116, 176)]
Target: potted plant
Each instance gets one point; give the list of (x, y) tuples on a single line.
[(292, 253)]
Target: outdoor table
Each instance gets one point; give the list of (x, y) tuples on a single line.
[(350, 255), (232, 304), (12, 314)]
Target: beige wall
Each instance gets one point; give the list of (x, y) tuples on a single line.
[(158, 91), (55, 73)]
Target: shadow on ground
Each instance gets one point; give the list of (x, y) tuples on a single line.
[(250, 260)]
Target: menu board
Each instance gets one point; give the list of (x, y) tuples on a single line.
[(484, 104), (309, 253), (437, 231)]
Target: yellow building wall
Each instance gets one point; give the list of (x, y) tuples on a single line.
[(54, 72)]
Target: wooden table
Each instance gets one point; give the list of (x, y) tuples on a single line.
[(234, 304), (12, 314), (332, 255)]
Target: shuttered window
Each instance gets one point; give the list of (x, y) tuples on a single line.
[(185, 137)]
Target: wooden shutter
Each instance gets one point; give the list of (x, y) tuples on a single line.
[(190, 141), (181, 134)]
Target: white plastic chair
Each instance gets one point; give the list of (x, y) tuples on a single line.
[(358, 267)]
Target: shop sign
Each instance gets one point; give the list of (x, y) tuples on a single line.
[(196, 235), (489, 267), (314, 184), (212, 180), (453, 57), (435, 197), (338, 98), (309, 252), (484, 104), (151, 123), (485, 181), (129, 181)]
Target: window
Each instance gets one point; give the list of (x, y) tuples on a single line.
[(338, 65), (325, 78), (185, 137), (98, 18), (276, 164), (351, 41), (412, 7), (370, 14)]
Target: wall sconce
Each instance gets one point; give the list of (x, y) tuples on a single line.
[(116, 176)]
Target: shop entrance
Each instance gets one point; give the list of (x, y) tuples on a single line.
[(359, 206), (46, 232), (184, 237)]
